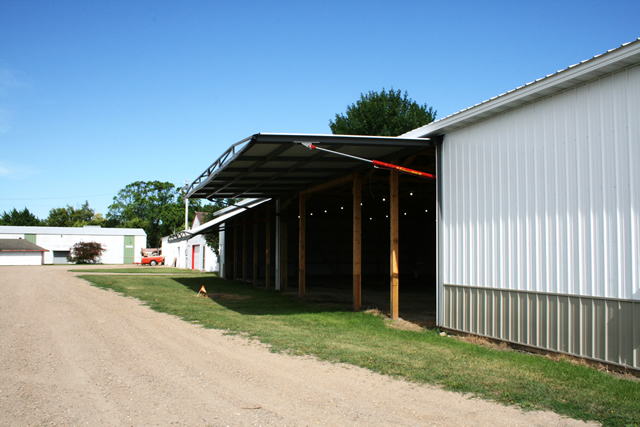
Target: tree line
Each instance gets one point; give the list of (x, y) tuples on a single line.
[(156, 207), (68, 216)]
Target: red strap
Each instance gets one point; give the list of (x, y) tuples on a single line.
[(384, 165)]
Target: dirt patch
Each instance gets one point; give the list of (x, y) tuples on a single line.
[(485, 342), (403, 325), (72, 354), (375, 312)]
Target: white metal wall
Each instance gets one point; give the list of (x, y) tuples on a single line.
[(206, 258), (140, 242), (20, 258), (547, 197), (174, 252), (540, 223), (54, 242)]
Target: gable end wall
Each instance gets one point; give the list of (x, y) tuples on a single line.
[(540, 226)]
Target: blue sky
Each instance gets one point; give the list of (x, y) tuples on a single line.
[(95, 95)]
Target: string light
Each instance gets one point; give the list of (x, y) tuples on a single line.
[(411, 194), (325, 211), (384, 200), (341, 207)]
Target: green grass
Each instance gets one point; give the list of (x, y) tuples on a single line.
[(144, 270), (513, 378)]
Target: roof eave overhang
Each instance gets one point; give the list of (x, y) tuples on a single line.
[(24, 250)]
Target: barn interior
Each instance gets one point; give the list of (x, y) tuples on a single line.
[(305, 240)]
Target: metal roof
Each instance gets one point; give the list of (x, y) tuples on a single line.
[(83, 231), (613, 60), (220, 216), (19, 245), (271, 165)]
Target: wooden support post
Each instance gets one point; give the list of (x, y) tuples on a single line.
[(244, 252), (255, 249), (394, 216), (267, 268), (283, 256), (235, 250), (357, 241), (302, 246)]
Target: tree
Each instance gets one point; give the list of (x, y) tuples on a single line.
[(213, 239), (16, 217), (382, 114), (86, 252), (173, 215), (74, 217), (153, 206)]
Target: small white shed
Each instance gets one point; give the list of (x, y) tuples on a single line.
[(20, 252)]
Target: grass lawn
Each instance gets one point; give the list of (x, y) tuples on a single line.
[(330, 333), (143, 270)]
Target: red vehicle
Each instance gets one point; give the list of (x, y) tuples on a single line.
[(152, 256)]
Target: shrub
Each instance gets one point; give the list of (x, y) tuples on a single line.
[(86, 253)]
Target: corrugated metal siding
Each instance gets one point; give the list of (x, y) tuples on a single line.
[(596, 328), (546, 198)]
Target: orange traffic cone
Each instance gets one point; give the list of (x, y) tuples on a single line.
[(202, 291)]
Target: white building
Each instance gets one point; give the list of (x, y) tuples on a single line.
[(123, 245), (174, 253), (539, 212), (193, 254)]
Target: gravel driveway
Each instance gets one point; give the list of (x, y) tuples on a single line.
[(72, 354)]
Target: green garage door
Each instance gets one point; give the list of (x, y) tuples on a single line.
[(128, 249)]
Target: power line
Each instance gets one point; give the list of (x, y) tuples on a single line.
[(54, 198)]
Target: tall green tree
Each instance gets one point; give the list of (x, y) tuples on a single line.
[(153, 206), (382, 114), (16, 217), (74, 217)]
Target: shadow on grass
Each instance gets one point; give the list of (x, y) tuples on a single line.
[(243, 298)]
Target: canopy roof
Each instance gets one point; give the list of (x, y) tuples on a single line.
[(219, 217), (271, 165)]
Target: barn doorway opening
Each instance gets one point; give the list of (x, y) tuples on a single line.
[(252, 239)]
